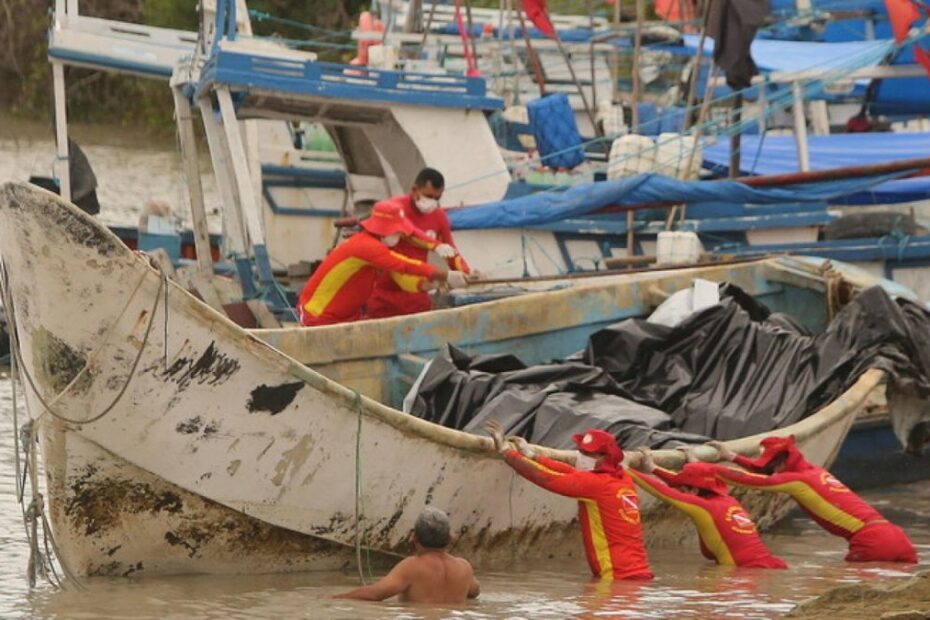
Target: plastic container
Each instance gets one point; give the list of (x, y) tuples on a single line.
[(673, 153), (610, 116), (678, 247), (629, 155), (555, 131)]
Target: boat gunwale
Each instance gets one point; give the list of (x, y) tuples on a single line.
[(350, 399)]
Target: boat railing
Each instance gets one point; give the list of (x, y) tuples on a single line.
[(235, 64), (110, 45)]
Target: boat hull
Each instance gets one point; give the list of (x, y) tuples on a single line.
[(176, 442)]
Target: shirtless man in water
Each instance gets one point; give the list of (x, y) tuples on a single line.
[(431, 576)]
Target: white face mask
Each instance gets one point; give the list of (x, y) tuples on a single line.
[(427, 205), (583, 462), (390, 240)]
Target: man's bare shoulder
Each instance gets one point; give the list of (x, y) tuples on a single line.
[(465, 563)]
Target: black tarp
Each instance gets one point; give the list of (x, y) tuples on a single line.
[(731, 370)]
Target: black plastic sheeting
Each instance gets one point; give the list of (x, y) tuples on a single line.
[(731, 370)]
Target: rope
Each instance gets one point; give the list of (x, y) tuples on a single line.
[(14, 347), (261, 16)]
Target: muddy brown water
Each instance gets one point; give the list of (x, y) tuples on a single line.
[(686, 584)]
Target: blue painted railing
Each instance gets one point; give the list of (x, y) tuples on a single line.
[(332, 80), (339, 81)]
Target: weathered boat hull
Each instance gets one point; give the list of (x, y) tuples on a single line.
[(176, 442)]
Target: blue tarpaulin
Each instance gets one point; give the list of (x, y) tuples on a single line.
[(772, 55), (779, 155), (554, 206)]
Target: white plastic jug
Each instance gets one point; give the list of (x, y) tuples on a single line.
[(673, 152), (678, 247), (629, 155)]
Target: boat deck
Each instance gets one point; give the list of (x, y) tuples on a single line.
[(109, 45)]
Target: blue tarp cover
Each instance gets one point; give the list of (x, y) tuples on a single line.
[(779, 155), (553, 206), (772, 55)]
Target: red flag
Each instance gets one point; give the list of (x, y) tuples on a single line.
[(671, 10), (922, 57), (538, 13), (901, 14)]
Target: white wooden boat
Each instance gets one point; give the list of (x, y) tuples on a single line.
[(175, 442)]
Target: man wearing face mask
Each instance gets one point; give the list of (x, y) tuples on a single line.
[(339, 287), (394, 295), (608, 506)]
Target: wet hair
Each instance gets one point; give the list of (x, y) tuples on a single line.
[(432, 528), (431, 176)]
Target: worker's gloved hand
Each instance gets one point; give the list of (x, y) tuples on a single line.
[(444, 250), (496, 431), (723, 452), (430, 285), (456, 279), (523, 447)]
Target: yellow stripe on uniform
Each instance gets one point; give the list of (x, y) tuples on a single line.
[(540, 466), (406, 282), (811, 500), (331, 283), (706, 527), (599, 538), (406, 259)]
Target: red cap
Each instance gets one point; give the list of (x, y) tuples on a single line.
[(699, 475), (774, 446), (595, 441), (387, 218)]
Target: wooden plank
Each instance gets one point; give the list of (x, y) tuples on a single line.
[(189, 158), (234, 239), (240, 168)]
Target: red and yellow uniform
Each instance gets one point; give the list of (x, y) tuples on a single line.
[(827, 501), (608, 511), (394, 294), (726, 531), (343, 282)]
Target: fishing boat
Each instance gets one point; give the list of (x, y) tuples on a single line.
[(174, 441)]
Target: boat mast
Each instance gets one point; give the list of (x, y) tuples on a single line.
[(530, 52), (637, 50)]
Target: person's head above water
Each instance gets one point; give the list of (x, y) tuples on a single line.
[(599, 446), (431, 530)]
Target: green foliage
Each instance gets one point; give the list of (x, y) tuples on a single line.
[(98, 97)]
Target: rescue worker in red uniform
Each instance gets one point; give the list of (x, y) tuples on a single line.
[(782, 468), (391, 297), (726, 532), (608, 507), (340, 286)]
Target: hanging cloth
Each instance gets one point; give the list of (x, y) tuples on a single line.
[(733, 24)]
